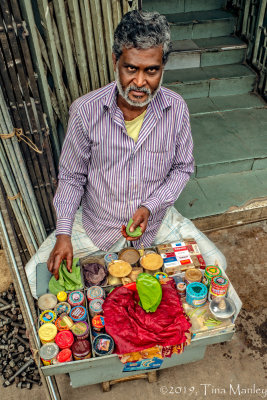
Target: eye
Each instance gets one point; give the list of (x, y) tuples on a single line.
[(152, 70), (131, 69)]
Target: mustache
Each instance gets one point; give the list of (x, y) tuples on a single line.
[(138, 89)]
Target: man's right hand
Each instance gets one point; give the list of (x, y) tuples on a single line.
[(62, 251)]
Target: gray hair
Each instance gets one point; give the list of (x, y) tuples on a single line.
[(142, 30)]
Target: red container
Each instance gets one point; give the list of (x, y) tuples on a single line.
[(64, 356), (81, 350), (64, 339)]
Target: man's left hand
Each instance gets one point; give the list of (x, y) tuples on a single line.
[(140, 218)]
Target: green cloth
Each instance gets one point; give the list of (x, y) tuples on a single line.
[(67, 280), (137, 232), (150, 292)]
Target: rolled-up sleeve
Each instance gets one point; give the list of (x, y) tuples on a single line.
[(182, 167), (73, 172)]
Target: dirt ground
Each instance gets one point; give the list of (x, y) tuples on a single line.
[(235, 369)]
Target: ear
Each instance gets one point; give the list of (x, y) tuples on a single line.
[(114, 61)]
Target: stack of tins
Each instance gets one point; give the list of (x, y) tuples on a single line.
[(63, 330)]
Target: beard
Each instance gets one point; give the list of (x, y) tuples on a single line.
[(125, 92)]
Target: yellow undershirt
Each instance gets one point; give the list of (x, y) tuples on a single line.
[(133, 127)]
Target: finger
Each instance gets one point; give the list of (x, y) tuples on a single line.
[(57, 262), (143, 226), (69, 263), (50, 263)]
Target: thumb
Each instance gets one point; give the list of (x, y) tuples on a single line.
[(135, 224)]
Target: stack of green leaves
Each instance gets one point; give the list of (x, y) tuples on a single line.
[(67, 280), (149, 291)]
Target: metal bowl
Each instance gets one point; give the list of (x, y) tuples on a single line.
[(222, 308)]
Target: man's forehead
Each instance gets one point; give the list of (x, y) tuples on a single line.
[(149, 56)]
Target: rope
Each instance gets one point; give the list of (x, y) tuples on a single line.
[(20, 135), (17, 196)]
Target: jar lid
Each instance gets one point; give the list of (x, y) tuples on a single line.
[(64, 339), (47, 301), (222, 308), (47, 332), (47, 316), (95, 292), (193, 274), (197, 290), (96, 305), (110, 257), (78, 313), (62, 307), (103, 344), (212, 270), (219, 281), (62, 296), (76, 298), (61, 324), (80, 328), (98, 322), (49, 351), (64, 355), (81, 348)]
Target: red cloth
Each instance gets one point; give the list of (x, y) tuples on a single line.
[(133, 329)]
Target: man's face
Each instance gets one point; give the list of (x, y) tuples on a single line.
[(138, 74)]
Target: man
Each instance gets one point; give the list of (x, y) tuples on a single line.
[(127, 153)]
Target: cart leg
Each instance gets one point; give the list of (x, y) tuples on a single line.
[(152, 376), (106, 386)]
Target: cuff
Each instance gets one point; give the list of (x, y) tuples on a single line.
[(64, 226), (153, 205)]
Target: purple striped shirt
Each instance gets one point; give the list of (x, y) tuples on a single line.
[(112, 174)]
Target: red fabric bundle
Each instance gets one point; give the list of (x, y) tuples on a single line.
[(133, 329)]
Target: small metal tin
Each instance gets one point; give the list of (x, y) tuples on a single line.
[(98, 323), (210, 272), (110, 257), (47, 301), (61, 325), (103, 345), (81, 350), (62, 307), (95, 307), (47, 316), (78, 314), (95, 292), (80, 330), (218, 287), (48, 353), (76, 298), (196, 294)]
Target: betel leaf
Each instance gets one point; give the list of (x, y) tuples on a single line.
[(67, 281), (137, 232)]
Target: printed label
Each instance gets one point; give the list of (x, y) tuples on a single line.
[(150, 363)]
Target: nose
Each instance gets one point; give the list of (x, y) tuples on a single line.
[(139, 79)]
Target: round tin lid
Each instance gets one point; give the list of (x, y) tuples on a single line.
[(64, 339), (95, 292), (61, 324), (47, 332), (47, 301), (103, 344), (119, 268), (222, 307), (197, 290), (49, 351), (62, 296), (47, 316), (81, 348), (193, 274), (96, 305), (80, 328), (130, 255), (78, 313), (76, 297), (110, 257), (212, 270), (62, 307), (151, 261), (98, 322), (219, 281), (64, 355)]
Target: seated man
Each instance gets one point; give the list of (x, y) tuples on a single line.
[(127, 153)]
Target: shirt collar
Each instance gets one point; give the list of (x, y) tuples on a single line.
[(158, 104)]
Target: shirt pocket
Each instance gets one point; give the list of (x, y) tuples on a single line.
[(156, 165)]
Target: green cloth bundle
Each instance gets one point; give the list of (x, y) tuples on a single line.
[(67, 280)]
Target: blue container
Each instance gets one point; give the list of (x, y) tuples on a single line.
[(110, 257), (196, 294), (78, 313)]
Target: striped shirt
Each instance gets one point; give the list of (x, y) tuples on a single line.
[(112, 174)]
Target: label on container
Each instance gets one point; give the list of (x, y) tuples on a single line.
[(150, 363), (178, 245), (78, 313)]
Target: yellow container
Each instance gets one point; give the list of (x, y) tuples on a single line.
[(47, 333), (62, 296)]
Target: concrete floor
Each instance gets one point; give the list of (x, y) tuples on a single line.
[(226, 368)]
